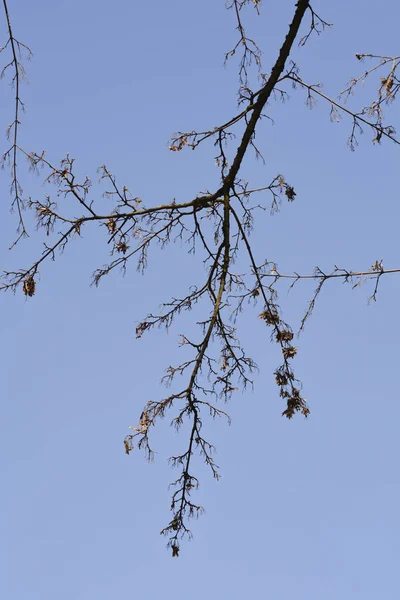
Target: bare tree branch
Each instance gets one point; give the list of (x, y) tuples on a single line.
[(11, 155), (219, 223)]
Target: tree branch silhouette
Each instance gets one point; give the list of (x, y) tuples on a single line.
[(220, 222)]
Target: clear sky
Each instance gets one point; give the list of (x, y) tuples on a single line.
[(306, 508)]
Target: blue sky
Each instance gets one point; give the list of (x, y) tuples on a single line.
[(305, 509)]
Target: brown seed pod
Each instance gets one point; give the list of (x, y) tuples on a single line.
[(29, 286)]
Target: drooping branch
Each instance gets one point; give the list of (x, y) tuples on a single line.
[(251, 52), (11, 155), (381, 130)]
